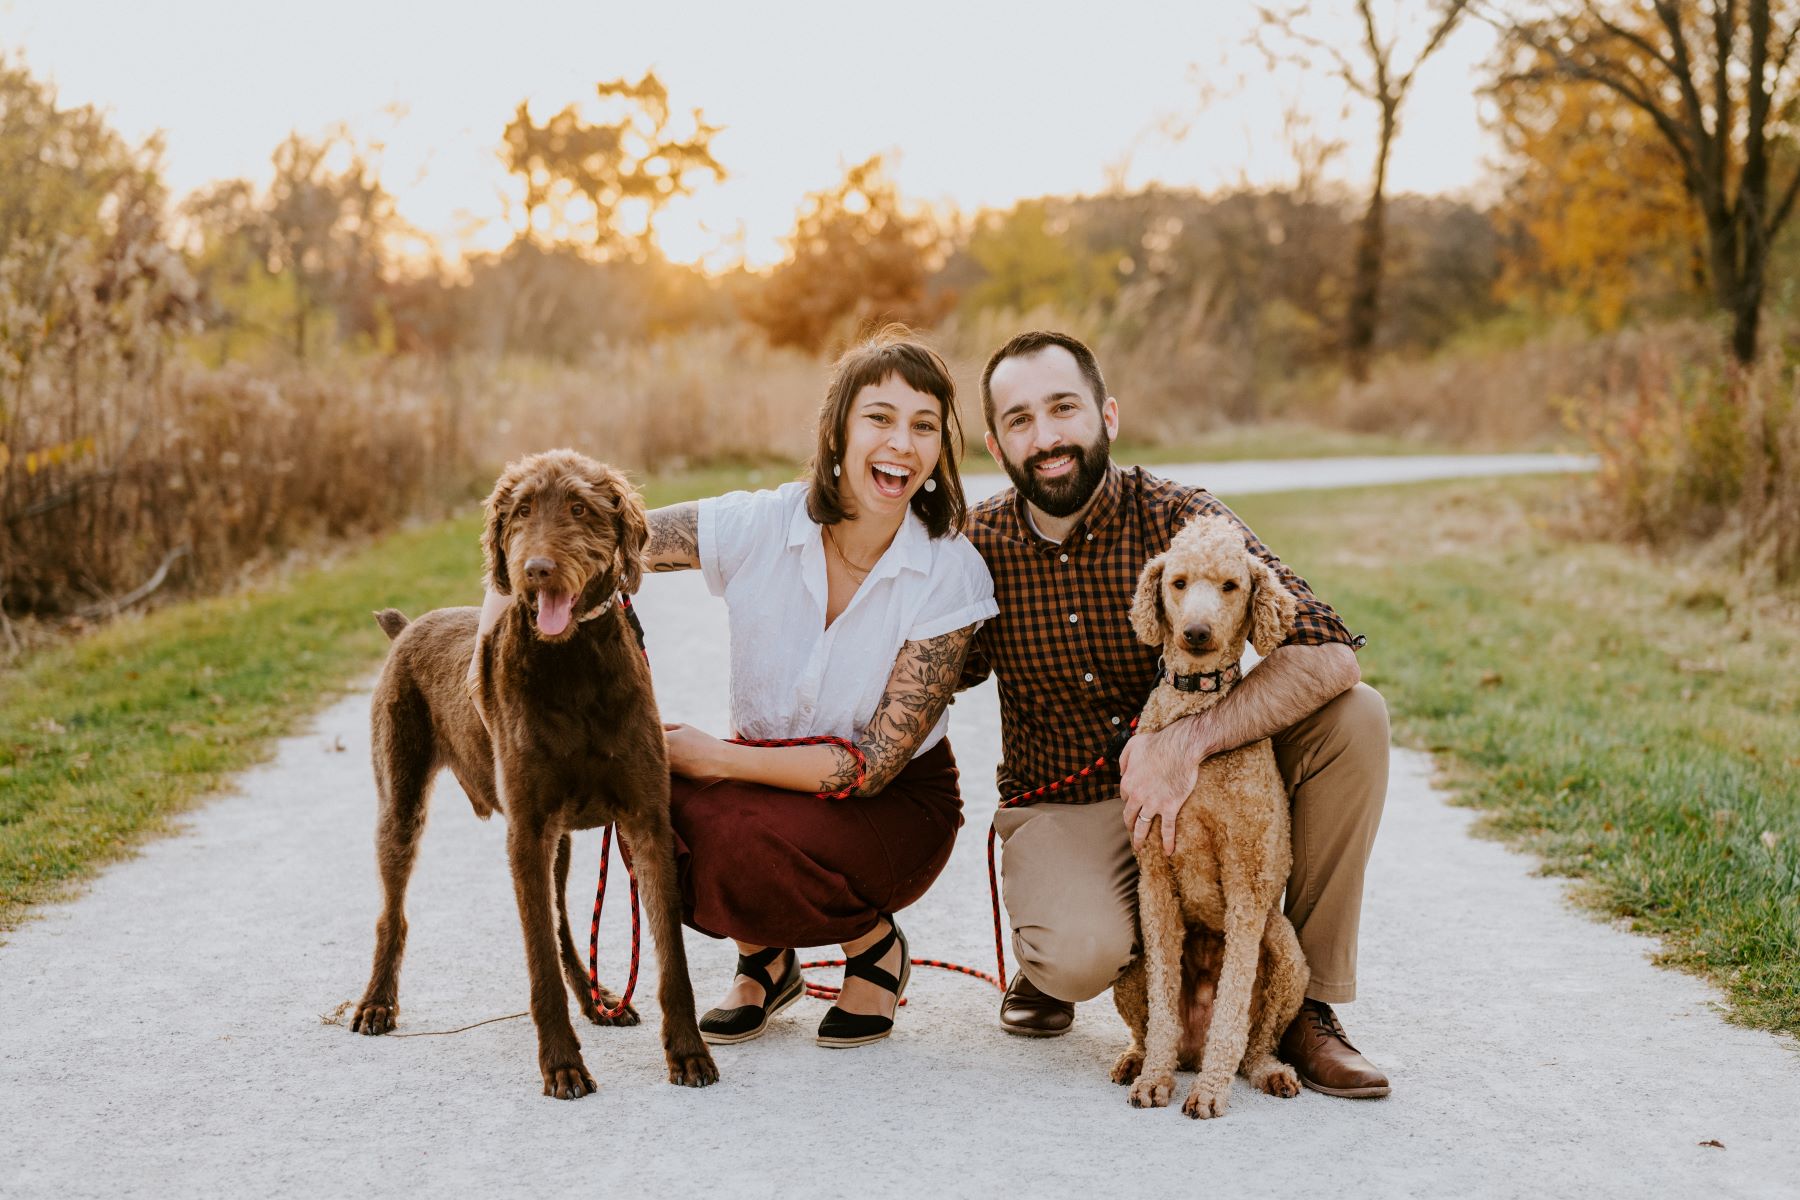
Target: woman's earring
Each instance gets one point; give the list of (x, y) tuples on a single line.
[(836, 470), (931, 485)]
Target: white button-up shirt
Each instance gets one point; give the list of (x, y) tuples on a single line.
[(791, 675)]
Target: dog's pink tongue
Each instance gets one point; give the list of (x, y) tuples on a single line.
[(554, 611)]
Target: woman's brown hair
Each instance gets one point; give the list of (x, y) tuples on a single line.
[(889, 352)]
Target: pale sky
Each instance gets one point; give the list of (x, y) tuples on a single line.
[(984, 104)]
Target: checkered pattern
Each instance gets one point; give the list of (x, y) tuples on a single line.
[(1072, 673)]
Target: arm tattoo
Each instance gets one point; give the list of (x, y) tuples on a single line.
[(844, 774), (922, 684), (674, 543)]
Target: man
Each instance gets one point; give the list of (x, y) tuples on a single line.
[(1066, 545)]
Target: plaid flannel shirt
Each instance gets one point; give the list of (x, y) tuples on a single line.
[(1071, 671)]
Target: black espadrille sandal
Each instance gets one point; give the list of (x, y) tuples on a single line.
[(840, 1028), (724, 1026)]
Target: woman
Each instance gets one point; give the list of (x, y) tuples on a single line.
[(853, 599)]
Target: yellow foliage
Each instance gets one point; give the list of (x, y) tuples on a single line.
[(52, 456), (1595, 205)]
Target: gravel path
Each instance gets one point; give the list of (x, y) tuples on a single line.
[(162, 1034)]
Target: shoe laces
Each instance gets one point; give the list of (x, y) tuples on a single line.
[(1326, 1022)]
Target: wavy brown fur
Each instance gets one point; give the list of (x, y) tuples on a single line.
[(577, 741), (1221, 974)]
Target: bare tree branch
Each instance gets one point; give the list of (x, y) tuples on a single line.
[(112, 607)]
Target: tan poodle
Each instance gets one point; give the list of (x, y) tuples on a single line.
[(1221, 974)]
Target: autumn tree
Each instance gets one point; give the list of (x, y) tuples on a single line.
[(589, 182), (1596, 216), (1717, 81), (1381, 72), (858, 253)]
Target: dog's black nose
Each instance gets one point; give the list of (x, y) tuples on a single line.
[(537, 570), (1196, 636)]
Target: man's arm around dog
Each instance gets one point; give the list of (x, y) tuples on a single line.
[(1158, 770)]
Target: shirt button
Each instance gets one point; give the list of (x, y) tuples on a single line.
[(1090, 537), (1115, 720), (1074, 617), (1088, 678), (1062, 558)]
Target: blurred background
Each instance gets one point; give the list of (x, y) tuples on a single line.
[(271, 277)]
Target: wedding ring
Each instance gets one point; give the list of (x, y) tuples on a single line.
[(1143, 820)]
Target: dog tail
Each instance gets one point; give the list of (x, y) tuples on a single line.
[(392, 621)]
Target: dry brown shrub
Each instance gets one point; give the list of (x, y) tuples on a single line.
[(183, 478), (1703, 451), (1496, 398)]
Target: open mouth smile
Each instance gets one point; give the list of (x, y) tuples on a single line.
[(889, 479)]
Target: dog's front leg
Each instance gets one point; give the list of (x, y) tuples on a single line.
[(1160, 927), (531, 845), (652, 844), (1230, 1028)]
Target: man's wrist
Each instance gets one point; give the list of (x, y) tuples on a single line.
[(1197, 739)]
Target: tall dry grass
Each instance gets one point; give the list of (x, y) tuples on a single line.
[(1703, 451), (173, 478)]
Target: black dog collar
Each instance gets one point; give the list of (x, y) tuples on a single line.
[(1201, 681)]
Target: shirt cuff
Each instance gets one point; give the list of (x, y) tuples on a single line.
[(981, 610), (707, 545)]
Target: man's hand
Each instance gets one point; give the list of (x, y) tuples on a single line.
[(1156, 774), (693, 753)]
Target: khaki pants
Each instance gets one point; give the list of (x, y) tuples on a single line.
[(1070, 878)]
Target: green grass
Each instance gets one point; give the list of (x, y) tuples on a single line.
[(105, 738), (1634, 722)]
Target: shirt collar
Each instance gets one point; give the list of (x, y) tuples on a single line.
[(1100, 514), (909, 551)]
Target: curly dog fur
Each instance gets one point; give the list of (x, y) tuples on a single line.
[(1221, 973), (576, 743)]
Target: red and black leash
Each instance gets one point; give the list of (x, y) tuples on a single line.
[(825, 991)]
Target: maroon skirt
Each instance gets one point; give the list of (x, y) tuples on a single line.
[(779, 868)]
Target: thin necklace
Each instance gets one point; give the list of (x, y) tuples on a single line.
[(860, 572)]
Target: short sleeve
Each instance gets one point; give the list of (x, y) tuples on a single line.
[(961, 591), (732, 526)]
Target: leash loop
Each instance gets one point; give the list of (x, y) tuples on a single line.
[(619, 1010)]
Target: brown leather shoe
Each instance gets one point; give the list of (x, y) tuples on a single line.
[(1324, 1058), (1026, 1011)]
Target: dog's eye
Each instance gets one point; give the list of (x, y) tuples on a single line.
[(1179, 584), (1230, 585), (524, 510), (578, 509)]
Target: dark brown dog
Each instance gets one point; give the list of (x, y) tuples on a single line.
[(576, 737)]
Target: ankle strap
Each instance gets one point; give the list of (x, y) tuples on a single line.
[(755, 967), (862, 966)]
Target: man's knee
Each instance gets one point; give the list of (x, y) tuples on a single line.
[(1363, 716), (1074, 967)]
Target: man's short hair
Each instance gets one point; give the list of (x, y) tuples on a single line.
[(1029, 343)]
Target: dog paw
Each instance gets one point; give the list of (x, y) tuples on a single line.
[(1205, 1102), (1150, 1092), (1279, 1080), (374, 1019), (694, 1068), (1130, 1064), (569, 1081)]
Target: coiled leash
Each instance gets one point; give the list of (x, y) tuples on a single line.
[(824, 991)]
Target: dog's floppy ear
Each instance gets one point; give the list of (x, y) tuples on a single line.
[(1272, 608), (493, 537), (1146, 607), (633, 529)]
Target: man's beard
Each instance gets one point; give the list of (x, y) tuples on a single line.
[(1065, 494)]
